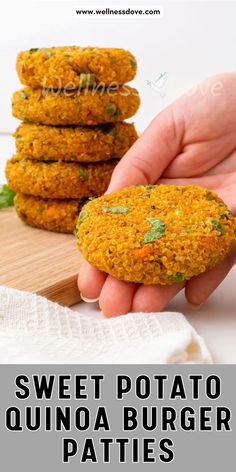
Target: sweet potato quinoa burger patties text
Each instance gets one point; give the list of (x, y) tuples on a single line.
[(79, 107), (50, 214), (73, 67), (52, 179), (81, 144), (156, 234)]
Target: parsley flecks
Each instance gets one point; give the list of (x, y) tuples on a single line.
[(23, 95), (84, 175), (6, 196), (33, 50), (150, 187), (116, 209), (178, 277), (87, 80), (209, 196), (112, 110), (83, 215), (216, 225), (157, 231)]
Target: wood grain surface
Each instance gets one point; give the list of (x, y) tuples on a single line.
[(38, 261)]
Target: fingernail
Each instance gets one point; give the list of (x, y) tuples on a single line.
[(88, 300)]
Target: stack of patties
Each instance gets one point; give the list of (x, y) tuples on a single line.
[(73, 132)]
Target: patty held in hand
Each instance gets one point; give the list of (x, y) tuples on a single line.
[(74, 67), (159, 234), (51, 179), (74, 143), (78, 107), (53, 215)]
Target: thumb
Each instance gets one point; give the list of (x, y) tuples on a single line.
[(150, 155)]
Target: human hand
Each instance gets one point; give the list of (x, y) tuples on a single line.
[(191, 141)]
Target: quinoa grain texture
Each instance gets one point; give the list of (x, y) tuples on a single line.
[(159, 234)]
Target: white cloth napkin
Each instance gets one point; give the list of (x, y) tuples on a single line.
[(35, 330)]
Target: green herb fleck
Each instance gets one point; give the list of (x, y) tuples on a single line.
[(150, 187), (6, 196), (82, 217), (87, 80), (178, 277), (33, 50), (112, 110), (75, 231), (91, 198), (41, 210), (23, 95), (209, 196), (116, 209), (216, 225), (84, 175), (157, 231)]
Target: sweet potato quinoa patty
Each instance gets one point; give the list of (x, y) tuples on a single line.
[(81, 144), (51, 179), (50, 214), (73, 67), (79, 107), (156, 234)]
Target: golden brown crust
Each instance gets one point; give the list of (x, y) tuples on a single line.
[(80, 107), (53, 215), (73, 67), (81, 144), (52, 179), (156, 234)]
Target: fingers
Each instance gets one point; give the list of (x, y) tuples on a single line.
[(119, 298), (90, 281), (198, 289), (154, 298), (228, 165), (208, 155), (116, 297), (152, 152)]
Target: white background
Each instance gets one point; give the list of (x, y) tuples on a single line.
[(193, 40)]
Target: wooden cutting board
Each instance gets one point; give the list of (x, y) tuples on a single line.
[(38, 261)]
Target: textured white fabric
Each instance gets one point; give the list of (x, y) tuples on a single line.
[(35, 330)]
